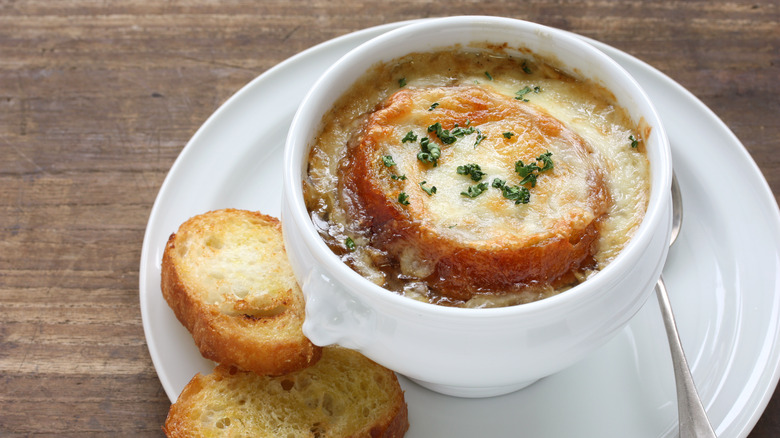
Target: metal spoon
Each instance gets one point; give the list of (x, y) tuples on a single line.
[(693, 420)]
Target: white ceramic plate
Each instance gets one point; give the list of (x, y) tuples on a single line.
[(723, 273)]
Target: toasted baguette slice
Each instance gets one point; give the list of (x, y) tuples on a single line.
[(464, 246), (343, 395), (226, 276)]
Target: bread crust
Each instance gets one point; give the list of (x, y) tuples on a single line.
[(267, 344), (177, 423), (484, 258)]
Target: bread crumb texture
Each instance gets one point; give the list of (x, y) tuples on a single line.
[(343, 395), (238, 261)]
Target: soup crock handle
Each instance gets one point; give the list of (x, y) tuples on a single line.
[(333, 316)]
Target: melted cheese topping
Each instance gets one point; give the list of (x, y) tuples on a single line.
[(562, 197), (575, 120)]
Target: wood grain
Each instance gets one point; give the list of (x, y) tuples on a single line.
[(97, 99)]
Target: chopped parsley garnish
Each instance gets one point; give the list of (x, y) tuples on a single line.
[(388, 161), (475, 190), (350, 244), (525, 68), (403, 198), (429, 190), (634, 142), (521, 94), (526, 171), (519, 194), (444, 135), (489, 76), (498, 183), (480, 137), (402, 82), (546, 159), (410, 137), (508, 134), (529, 172), (429, 152), (472, 170), (433, 106), (457, 131)]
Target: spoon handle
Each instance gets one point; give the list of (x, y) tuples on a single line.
[(693, 417)]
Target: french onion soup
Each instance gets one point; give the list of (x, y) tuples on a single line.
[(477, 178)]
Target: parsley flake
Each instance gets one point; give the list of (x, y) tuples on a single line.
[(480, 137), (508, 134), (546, 159), (403, 198), (475, 190), (519, 194), (350, 244), (444, 135), (457, 131), (398, 177), (634, 142), (429, 190), (525, 68), (472, 170), (410, 137), (388, 161), (530, 172), (521, 94), (433, 106), (429, 152), (489, 76), (402, 82), (526, 171)]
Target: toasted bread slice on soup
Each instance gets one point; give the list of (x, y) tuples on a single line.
[(226, 276), (462, 244), (343, 395)]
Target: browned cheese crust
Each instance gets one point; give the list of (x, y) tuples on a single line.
[(488, 243), (263, 336)]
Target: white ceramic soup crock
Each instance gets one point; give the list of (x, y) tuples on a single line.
[(472, 352)]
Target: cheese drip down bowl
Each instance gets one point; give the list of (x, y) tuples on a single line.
[(426, 310)]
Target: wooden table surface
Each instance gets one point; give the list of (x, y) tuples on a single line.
[(97, 99)]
